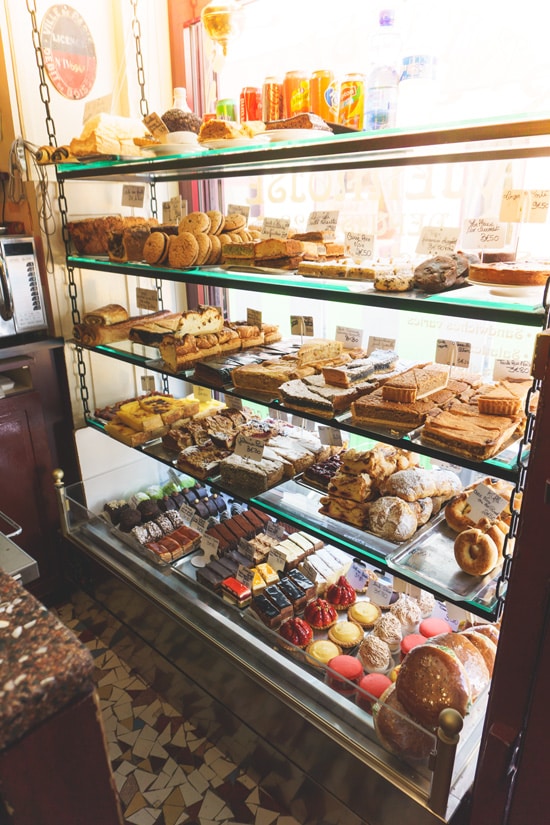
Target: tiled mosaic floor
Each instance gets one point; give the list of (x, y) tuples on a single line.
[(165, 771)]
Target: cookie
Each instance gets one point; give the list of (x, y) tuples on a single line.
[(183, 251), (205, 248), (233, 222), (194, 222), (216, 221), (235, 237), (224, 239), (255, 234), (216, 251), (244, 235), (155, 249)]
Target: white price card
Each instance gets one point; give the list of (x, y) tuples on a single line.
[(275, 228), (248, 550), (249, 448), (349, 336), (202, 394), (437, 240), (323, 222), (485, 503), (156, 125), (97, 106), (308, 570), (400, 586), (506, 368), (147, 299), (133, 194), (455, 615), (147, 383), (276, 559), (358, 575), (237, 209), (483, 233), (537, 205), (376, 342), (359, 244), (178, 208), (511, 205), (209, 544), (454, 353), (232, 402), (304, 423), (275, 530), (301, 325), (254, 318), (380, 590), (245, 575), (330, 436), (199, 524), (187, 512)]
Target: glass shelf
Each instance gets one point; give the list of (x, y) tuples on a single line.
[(473, 302), (493, 139)]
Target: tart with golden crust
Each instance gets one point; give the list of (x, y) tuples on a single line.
[(341, 594), (297, 632), (320, 614)]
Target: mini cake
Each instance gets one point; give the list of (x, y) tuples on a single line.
[(373, 684), (296, 631), (426, 603), (305, 584), (388, 628), (341, 594), (346, 634), (410, 641), (375, 655), (434, 627), (320, 614), (266, 611), (323, 650), (364, 613), (341, 671), (407, 612)]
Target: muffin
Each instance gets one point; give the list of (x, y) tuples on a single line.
[(388, 628), (322, 651), (407, 611), (364, 613), (375, 655), (346, 634)]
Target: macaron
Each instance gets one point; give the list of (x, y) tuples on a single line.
[(374, 684), (410, 641), (341, 671), (434, 626)]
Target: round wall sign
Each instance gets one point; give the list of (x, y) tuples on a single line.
[(69, 51)]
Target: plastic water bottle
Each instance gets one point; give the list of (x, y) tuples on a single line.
[(383, 80), (418, 90)]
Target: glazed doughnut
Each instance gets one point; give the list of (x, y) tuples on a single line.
[(475, 552), (456, 513)]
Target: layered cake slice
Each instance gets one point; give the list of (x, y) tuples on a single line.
[(462, 430)]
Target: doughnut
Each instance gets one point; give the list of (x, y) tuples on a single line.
[(456, 513), (475, 552), (498, 531)]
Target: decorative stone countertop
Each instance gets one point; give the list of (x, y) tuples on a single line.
[(43, 666)]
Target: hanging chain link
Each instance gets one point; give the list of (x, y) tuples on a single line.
[(136, 30), (62, 202)]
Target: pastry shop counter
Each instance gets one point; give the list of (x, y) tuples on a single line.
[(255, 657)]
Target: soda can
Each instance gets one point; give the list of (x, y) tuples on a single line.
[(323, 96), (250, 104), (226, 109), (272, 99), (351, 107), (295, 93)]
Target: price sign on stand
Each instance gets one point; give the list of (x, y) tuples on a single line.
[(508, 368), (237, 209), (303, 423), (453, 353), (485, 503), (209, 545), (232, 402), (156, 125), (437, 240), (254, 318), (359, 244), (247, 549), (537, 205), (275, 228), (349, 336), (376, 342), (148, 383), (187, 512), (245, 575), (358, 575), (274, 530), (276, 559), (301, 325), (380, 590), (330, 436), (323, 222), (199, 524), (147, 299), (133, 194), (483, 233), (202, 394), (97, 106), (511, 205), (249, 448)]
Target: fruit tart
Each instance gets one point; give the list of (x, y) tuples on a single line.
[(296, 631), (341, 595), (320, 614)]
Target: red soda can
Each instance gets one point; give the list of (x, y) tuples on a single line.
[(272, 99), (295, 93), (250, 103), (322, 95)]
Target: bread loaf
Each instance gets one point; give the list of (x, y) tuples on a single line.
[(108, 314), (108, 135), (93, 334)]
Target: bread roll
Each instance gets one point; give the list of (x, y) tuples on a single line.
[(397, 731), (471, 658), (391, 518)]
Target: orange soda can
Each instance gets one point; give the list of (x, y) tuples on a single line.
[(351, 107), (322, 95), (295, 93), (272, 99)]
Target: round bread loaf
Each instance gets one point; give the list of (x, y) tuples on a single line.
[(391, 518), (430, 679), (486, 647), (489, 630), (397, 732), (471, 658)]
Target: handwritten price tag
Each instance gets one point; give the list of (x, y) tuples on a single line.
[(247, 549), (199, 524), (274, 530), (437, 240), (511, 205), (301, 325), (237, 209), (380, 591), (358, 575), (254, 318), (537, 208), (97, 106), (156, 125), (303, 423), (187, 513), (507, 368), (232, 402), (147, 299), (147, 383), (323, 222), (275, 228), (349, 337), (133, 194), (483, 233), (485, 503), (330, 436), (276, 559), (375, 342), (202, 394), (454, 353), (359, 244), (249, 448), (245, 575), (210, 545)]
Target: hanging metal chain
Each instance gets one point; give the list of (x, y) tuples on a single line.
[(136, 30), (62, 201)]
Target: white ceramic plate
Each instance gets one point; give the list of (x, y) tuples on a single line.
[(172, 148), (228, 143), (509, 290), (295, 134)]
